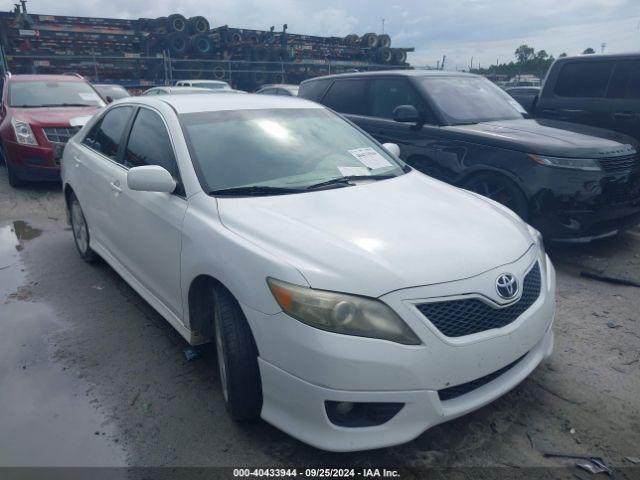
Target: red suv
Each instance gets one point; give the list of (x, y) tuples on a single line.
[(39, 113)]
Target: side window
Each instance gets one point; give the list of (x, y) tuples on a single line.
[(583, 79), (388, 93), (149, 143), (348, 96), (313, 90), (105, 136), (625, 82)]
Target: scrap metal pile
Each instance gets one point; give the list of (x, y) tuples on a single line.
[(161, 50)]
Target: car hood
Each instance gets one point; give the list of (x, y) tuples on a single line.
[(58, 116), (378, 237), (557, 139)]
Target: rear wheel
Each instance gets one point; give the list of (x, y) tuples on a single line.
[(237, 358), (80, 230), (501, 189)]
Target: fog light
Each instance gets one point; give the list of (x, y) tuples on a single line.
[(361, 414), (343, 408)]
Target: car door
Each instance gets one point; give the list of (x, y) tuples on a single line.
[(624, 97), (150, 223), (419, 145), (579, 94), (100, 174)]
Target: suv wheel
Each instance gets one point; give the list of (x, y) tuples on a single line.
[(237, 358), (80, 230), (14, 180), (501, 189)]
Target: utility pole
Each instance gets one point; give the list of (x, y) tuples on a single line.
[(603, 45), (383, 20), (444, 58), (471, 65)]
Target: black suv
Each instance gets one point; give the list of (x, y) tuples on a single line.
[(574, 183), (599, 90)]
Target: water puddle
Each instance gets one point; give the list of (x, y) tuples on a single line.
[(46, 415)]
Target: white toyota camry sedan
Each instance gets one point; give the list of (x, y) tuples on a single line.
[(353, 302)]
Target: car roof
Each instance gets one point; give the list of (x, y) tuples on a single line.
[(202, 80), (599, 56), (397, 73), (46, 78), (214, 103), (109, 85), (279, 85)]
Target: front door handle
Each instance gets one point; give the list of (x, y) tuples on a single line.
[(115, 186)]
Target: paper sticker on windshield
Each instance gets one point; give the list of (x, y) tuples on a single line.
[(370, 158), (88, 96), (353, 171), (517, 106)]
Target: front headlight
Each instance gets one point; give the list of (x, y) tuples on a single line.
[(23, 132), (537, 237), (588, 164), (342, 313)]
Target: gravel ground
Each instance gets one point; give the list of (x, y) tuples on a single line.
[(91, 375)]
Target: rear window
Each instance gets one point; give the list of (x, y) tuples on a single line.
[(625, 82), (313, 90), (584, 79), (348, 96)]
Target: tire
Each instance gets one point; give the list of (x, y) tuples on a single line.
[(198, 25), (384, 40), (251, 39), (200, 44), (177, 43), (80, 230), (237, 358), (384, 55), (176, 23), (499, 188), (399, 56), (369, 40), (352, 39), (160, 24)]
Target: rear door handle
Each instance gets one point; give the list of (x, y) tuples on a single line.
[(115, 186), (623, 115), (549, 112), (77, 160)]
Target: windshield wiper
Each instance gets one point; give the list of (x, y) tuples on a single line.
[(255, 190), (67, 105), (347, 180)]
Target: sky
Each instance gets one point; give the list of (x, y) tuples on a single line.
[(485, 30)]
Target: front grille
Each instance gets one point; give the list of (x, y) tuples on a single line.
[(459, 390), (457, 318), (620, 164), (60, 134)]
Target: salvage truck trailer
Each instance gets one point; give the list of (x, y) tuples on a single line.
[(159, 51)]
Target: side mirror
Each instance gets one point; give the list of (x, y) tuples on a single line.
[(406, 114), (150, 178), (392, 148), (109, 99)]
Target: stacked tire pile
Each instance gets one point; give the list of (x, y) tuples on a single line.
[(159, 50)]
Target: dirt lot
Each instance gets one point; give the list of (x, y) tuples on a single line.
[(91, 375)]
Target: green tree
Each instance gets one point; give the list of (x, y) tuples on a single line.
[(562, 55), (542, 55), (588, 51), (524, 53)]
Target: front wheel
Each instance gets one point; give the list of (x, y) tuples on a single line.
[(14, 180), (237, 358), (501, 189), (80, 230)]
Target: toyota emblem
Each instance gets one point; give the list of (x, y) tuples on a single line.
[(507, 286)]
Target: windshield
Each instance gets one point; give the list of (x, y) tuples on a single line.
[(281, 148), (212, 86), (53, 94), (464, 100), (116, 92)]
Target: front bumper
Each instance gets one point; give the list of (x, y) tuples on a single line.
[(583, 206), (35, 162), (302, 367)]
